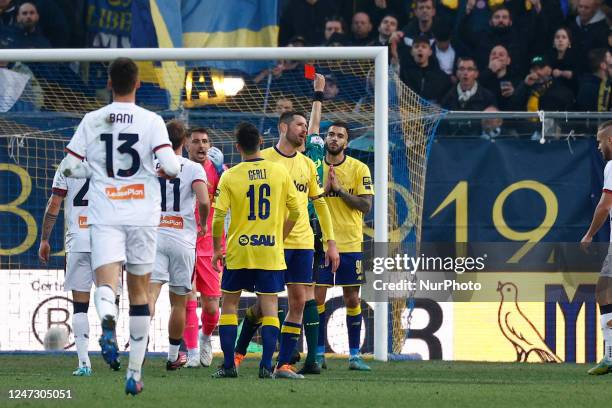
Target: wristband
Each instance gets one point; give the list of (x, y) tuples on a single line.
[(318, 96)]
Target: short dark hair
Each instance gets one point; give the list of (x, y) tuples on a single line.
[(500, 7), (464, 59), (287, 117), (595, 58), (123, 73), (607, 124), (176, 133), (247, 136), (199, 129), (342, 124)]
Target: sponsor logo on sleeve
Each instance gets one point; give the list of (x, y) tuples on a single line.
[(367, 183), (82, 221), (129, 192)]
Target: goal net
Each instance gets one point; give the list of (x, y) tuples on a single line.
[(42, 102)]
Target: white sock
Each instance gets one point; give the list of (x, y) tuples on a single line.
[(104, 299), (139, 335), (607, 336), (192, 353), (173, 351), (80, 324)]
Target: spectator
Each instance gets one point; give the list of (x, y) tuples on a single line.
[(424, 78), (331, 89), (333, 25), (540, 91), (305, 18), (498, 79), (563, 59), (594, 93), (283, 105), (491, 126), (27, 34), (590, 28), (8, 13), (468, 95), (379, 9), (444, 49), (386, 28), (361, 29), (337, 40), (500, 31), (422, 24)]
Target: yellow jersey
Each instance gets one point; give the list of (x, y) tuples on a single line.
[(354, 177), (304, 175), (258, 193)]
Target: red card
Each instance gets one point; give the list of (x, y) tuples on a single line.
[(309, 71)]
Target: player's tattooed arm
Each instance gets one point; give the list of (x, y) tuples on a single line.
[(51, 212), (362, 203)]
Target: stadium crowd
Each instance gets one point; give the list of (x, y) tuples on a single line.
[(510, 55)]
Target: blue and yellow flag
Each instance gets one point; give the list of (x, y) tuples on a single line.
[(231, 23), (157, 24)]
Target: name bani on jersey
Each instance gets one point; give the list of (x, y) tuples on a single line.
[(120, 118)]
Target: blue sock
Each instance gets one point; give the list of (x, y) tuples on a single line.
[(322, 329), (269, 337), (353, 325), (228, 331), (290, 334)]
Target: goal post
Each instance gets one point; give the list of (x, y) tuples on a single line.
[(389, 333)]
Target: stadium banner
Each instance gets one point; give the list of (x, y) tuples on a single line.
[(109, 23), (476, 190)]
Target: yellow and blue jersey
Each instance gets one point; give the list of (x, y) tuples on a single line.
[(354, 176), (258, 193), (303, 172)]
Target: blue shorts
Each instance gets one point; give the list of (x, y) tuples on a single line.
[(349, 272), (299, 266), (252, 280)]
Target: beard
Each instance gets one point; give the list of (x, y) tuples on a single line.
[(334, 151), (501, 30)]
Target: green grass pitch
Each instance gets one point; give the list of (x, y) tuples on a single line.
[(396, 384)]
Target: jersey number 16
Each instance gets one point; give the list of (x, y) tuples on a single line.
[(262, 201)]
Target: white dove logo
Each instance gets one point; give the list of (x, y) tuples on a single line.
[(517, 328)]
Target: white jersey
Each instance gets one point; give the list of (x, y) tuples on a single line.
[(75, 192), (607, 188), (119, 141), (178, 201)]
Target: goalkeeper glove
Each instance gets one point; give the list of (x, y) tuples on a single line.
[(216, 157)]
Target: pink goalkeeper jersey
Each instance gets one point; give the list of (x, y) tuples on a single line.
[(204, 245)]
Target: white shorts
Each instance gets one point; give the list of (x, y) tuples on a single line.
[(79, 273), (122, 243), (174, 263), (606, 268)]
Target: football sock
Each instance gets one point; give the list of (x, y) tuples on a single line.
[(322, 327), (311, 330), (190, 333), (353, 325), (173, 349), (209, 322), (606, 328), (140, 319), (269, 336), (228, 328), (290, 334), (80, 324), (250, 324), (104, 299)]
